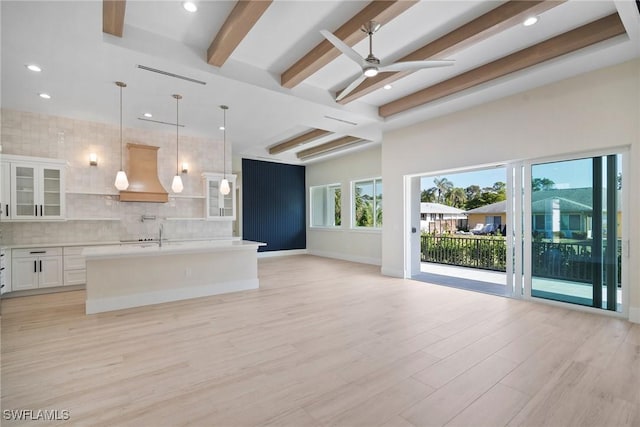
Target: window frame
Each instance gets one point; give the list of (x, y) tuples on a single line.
[(376, 181), (328, 190)]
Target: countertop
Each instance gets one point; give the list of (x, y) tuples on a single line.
[(112, 243), (143, 249)]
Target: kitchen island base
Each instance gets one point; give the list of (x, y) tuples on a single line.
[(126, 277)]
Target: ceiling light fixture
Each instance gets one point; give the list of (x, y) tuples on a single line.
[(190, 6), (221, 128), (530, 21), (44, 95), (176, 185), (148, 115), (122, 183), (387, 87), (34, 68), (371, 71), (224, 184)]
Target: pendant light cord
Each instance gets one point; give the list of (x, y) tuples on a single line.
[(177, 139), (121, 128), (224, 144)]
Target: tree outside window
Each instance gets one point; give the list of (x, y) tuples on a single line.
[(368, 203)]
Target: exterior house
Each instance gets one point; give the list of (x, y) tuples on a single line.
[(573, 218), (495, 213), (439, 218)]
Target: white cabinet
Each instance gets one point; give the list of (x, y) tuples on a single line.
[(5, 190), (37, 191), (75, 272), (36, 268), (5, 270), (219, 206)]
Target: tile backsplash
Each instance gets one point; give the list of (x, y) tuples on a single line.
[(90, 193)]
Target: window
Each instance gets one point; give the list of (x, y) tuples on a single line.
[(367, 203), (326, 206), (570, 222), (493, 219)]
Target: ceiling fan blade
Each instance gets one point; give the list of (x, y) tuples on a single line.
[(415, 65), (342, 47), (354, 84)]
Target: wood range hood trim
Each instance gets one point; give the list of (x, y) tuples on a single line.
[(144, 185)]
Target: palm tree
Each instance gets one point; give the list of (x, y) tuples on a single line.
[(443, 185), (456, 197)]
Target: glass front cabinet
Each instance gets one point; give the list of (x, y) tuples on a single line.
[(219, 206), (37, 191)]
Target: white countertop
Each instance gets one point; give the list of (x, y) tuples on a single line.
[(111, 242), (143, 249)]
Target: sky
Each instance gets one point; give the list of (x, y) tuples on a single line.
[(565, 174)]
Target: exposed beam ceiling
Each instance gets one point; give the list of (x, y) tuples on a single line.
[(298, 140), (329, 146), (324, 52), (113, 16), (563, 44), (499, 19), (241, 20)]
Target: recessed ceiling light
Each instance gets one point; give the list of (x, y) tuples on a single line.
[(387, 87), (190, 6), (44, 95), (530, 21), (33, 67), (148, 115)]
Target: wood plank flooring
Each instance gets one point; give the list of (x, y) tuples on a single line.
[(321, 343)]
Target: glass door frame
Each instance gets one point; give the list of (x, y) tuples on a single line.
[(525, 263)]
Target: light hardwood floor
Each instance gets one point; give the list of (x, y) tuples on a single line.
[(322, 343)]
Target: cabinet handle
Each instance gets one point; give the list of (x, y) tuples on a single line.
[(40, 266), (7, 210), (35, 266), (38, 252), (40, 210), (35, 210)]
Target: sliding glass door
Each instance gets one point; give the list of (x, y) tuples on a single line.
[(574, 227)]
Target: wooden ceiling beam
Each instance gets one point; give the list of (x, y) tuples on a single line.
[(299, 140), (329, 146), (240, 21), (113, 16), (491, 23), (571, 41), (324, 52)]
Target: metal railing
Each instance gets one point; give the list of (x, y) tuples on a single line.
[(555, 260)]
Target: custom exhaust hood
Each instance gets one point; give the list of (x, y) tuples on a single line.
[(144, 185)]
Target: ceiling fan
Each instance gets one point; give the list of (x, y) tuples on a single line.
[(371, 65)]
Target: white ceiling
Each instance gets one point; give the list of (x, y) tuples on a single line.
[(80, 64)]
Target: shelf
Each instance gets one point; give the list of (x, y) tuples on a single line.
[(93, 219), (92, 193), (186, 196)]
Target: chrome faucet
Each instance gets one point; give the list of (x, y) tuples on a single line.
[(160, 237)]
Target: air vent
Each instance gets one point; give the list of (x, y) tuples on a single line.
[(167, 73), (158, 121), (340, 120)]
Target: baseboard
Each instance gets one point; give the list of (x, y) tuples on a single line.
[(99, 305), (346, 257), (634, 314), (268, 254), (392, 273)]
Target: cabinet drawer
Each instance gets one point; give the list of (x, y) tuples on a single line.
[(36, 252), (74, 263), (73, 250), (75, 277)]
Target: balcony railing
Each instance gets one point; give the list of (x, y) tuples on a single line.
[(555, 260)]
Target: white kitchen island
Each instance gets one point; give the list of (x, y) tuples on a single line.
[(128, 276)]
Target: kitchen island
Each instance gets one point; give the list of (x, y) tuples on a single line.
[(126, 276)]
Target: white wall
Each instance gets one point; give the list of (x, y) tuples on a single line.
[(344, 242), (592, 111)]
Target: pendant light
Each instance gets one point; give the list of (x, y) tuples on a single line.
[(176, 185), (122, 183), (224, 184)]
